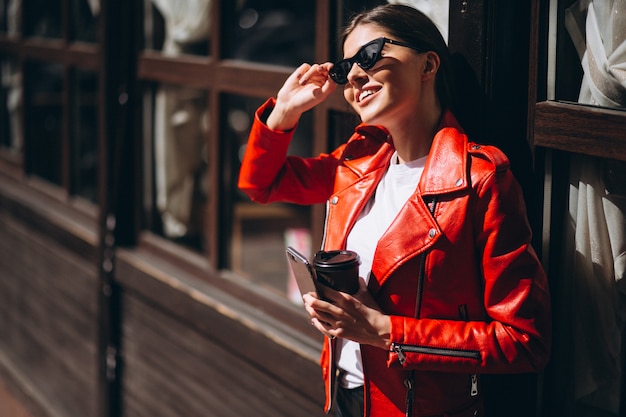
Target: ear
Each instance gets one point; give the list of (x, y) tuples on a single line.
[(431, 65)]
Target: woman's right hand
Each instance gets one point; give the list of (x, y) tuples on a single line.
[(305, 88)]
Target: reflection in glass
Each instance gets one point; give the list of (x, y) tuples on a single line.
[(260, 233), (11, 106), (598, 31), (587, 58), (177, 27), (44, 110), (590, 55), (9, 16), (85, 17), (84, 124), (277, 32), (438, 11), (43, 18), (342, 126), (4, 5), (179, 125)]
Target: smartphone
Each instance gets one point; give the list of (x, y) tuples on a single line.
[(302, 271)]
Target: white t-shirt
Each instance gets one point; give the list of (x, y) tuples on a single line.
[(394, 189)]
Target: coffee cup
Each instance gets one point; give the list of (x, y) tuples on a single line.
[(338, 269)]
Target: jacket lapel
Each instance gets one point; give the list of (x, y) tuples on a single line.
[(355, 183), (415, 229)]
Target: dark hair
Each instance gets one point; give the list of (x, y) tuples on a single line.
[(407, 24)]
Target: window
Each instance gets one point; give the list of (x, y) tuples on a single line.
[(11, 97), (579, 128), (578, 96), (205, 69), (51, 92), (200, 70)]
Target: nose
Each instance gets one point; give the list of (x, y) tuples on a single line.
[(356, 74)]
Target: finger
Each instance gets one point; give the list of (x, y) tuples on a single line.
[(320, 315), (299, 72), (315, 73), (324, 328)]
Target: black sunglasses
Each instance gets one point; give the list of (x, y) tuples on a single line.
[(365, 58)]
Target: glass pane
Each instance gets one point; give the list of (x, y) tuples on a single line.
[(341, 127), (438, 11), (43, 18), (175, 120), (4, 5), (261, 232), (9, 16), (84, 124), (278, 32), (344, 10), (44, 111), (85, 17), (590, 57), (177, 27), (11, 109)]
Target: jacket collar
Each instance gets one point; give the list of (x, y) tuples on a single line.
[(446, 168)]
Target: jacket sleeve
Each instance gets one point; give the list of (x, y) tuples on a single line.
[(515, 335), (268, 174)]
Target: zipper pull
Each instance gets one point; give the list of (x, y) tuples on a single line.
[(474, 387), (409, 395), (401, 356)]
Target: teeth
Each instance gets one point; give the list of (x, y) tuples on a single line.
[(365, 94)]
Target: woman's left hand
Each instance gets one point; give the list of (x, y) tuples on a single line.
[(356, 317)]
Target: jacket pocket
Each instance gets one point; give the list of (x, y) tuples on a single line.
[(402, 349)]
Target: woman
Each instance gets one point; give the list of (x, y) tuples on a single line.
[(451, 287)]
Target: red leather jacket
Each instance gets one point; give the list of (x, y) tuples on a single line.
[(455, 271)]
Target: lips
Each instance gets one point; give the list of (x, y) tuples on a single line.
[(365, 93)]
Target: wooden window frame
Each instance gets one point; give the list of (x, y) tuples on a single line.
[(567, 126), (71, 55), (253, 80)]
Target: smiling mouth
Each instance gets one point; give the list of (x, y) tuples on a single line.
[(366, 93)]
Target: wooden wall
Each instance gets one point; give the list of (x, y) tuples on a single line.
[(48, 336), (187, 348)]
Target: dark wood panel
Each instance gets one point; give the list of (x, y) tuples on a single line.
[(48, 311), (9, 45), (196, 376), (228, 76), (254, 336), (188, 70), (76, 229), (84, 55), (197, 265), (581, 129), (251, 79), (46, 49)]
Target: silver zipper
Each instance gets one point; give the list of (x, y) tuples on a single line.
[(473, 377), (410, 381), (474, 386), (402, 349)]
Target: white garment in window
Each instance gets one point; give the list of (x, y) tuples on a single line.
[(595, 236)]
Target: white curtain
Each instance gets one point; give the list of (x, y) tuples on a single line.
[(179, 121), (12, 81), (595, 237)]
